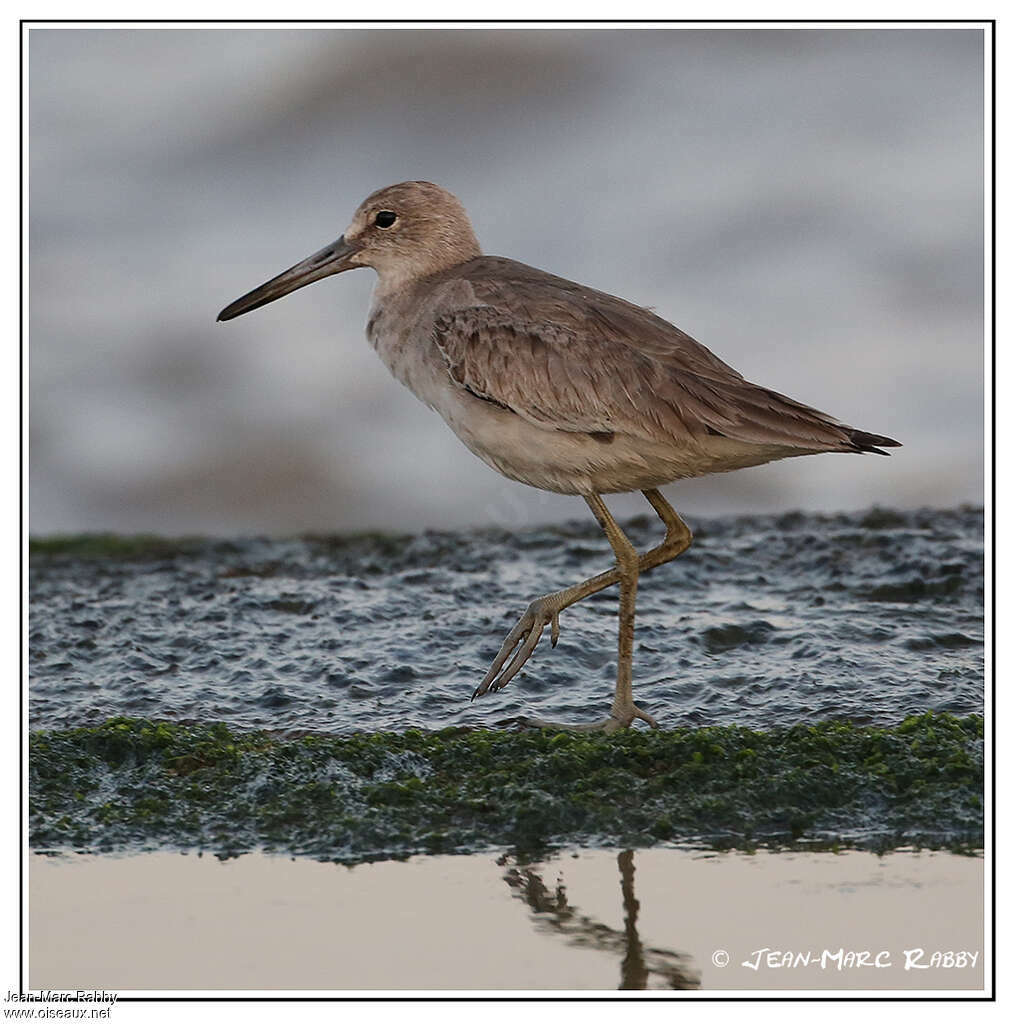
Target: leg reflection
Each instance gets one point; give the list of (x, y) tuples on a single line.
[(634, 966), (642, 967)]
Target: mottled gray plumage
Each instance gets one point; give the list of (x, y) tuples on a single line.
[(556, 385), (572, 358)]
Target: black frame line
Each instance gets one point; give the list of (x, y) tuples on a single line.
[(984, 24)]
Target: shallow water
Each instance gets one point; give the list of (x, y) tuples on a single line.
[(767, 620), (594, 920)]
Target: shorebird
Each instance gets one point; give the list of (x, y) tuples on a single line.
[(557, 386)]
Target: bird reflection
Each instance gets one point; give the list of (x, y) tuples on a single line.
[(642, 967)]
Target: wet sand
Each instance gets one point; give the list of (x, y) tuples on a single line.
[(592, 920)]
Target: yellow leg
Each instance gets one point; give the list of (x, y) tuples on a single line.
[(627, 562), (523, 638)]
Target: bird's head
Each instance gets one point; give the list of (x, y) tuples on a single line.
[(404, 232)]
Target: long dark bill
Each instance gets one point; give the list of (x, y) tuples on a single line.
[(333, 259)]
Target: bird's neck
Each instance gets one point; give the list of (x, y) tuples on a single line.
[(404, 278)]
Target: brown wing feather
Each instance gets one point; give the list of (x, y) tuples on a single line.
[(570, 358)]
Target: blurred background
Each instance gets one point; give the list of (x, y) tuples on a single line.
[(809, 204)]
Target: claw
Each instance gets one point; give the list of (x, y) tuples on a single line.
[(616, 721), (519, 645), (520, 658), (644, 717), (508, 646)]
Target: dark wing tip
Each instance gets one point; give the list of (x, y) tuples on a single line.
[(865, 442)]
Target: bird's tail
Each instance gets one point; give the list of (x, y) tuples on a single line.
[(865, 442)]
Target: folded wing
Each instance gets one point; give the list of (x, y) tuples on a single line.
[(569, 358)]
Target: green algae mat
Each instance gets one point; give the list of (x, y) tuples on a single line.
[(132, 784)]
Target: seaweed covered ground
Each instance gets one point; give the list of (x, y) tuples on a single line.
[(818, 678), (132, 784)]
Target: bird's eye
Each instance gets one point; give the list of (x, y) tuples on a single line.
[(385, 219)]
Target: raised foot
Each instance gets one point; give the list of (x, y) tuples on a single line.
[(524, 636), (616, 720)]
